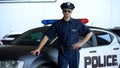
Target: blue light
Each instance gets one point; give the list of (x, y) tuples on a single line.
[(45, 22)]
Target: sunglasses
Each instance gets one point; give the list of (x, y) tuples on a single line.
[(69, 11)]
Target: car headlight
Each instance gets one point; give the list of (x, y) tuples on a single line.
[(11, 64)]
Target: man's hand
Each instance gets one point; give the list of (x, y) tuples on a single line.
[(77, 45), (35, 52), (43, 42)]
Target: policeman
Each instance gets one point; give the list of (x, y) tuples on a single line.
[(68, 30)]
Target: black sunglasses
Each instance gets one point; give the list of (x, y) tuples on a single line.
[(67, 11)]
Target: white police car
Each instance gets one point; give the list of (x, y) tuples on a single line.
[(104, 52), (101, 51)]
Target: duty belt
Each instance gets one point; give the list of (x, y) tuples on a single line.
[(62, 49), (66, 47)]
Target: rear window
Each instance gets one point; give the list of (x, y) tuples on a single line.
[(103, 38)]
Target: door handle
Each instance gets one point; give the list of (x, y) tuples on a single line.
[(115, 48), (94, 51)]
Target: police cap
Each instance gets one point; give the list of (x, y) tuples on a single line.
[(67, 5)]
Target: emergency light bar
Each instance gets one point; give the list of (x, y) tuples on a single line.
[(45, 22)]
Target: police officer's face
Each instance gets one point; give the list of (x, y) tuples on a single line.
[(67, 12)]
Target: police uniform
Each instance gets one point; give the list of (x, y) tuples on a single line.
[(68, 34)]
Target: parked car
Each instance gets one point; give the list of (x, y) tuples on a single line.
[(101, 51), (8, 38)]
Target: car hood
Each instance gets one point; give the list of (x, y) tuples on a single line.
[(15, 51)]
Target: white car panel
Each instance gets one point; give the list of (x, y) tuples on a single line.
[(101, 56)]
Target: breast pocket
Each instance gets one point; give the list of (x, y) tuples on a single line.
[(74, 32)]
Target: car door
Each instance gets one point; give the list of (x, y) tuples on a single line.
[(103, 53)]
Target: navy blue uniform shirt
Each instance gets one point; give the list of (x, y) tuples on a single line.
[(68, 32)]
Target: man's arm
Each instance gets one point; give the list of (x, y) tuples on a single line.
[(82, 42), (43, 42)]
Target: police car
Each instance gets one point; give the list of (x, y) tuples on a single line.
[(101, 51), (104, 52)]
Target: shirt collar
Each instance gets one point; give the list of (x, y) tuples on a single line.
[(70, 21)]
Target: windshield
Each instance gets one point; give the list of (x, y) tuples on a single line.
[(31, 37)]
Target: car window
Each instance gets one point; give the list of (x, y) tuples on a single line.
[(103, 38), (29, 38), (32, 38)]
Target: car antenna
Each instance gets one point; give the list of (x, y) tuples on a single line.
[(91, 24)]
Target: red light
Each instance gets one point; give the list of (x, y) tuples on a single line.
[(84, 20)]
